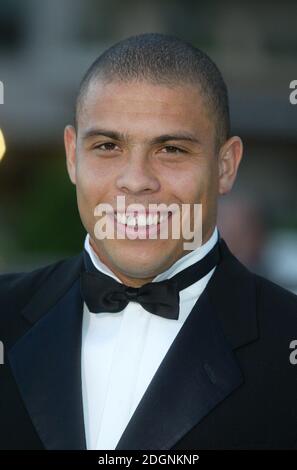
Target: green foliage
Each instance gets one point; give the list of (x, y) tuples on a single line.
[(49, 221)]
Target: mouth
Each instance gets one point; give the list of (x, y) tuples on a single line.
[(145, 224), (146, 219)]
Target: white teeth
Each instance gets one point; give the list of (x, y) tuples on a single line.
[(155, 219), (141, 220), (131, 221), (121, 218), (150, 220)]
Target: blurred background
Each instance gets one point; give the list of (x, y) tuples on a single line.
[(45, 48)]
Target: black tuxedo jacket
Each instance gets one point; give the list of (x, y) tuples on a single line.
[(226, 382)]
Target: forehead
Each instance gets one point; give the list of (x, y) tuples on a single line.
[(142, 105)]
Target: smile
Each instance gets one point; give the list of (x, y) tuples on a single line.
[(140, 220), (140, 225)]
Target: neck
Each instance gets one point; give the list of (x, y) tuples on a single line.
[(138, 282), (127, 280)]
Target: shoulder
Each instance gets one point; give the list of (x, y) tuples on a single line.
[(269, 296), (241, 289), (275, 296), (20, 282), (16, 289), (277, 317)]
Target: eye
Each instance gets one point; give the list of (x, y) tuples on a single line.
[(107, 146), (173, 149)]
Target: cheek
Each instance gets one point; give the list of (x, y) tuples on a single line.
[(199, 186), (189, 186), (92, 182)]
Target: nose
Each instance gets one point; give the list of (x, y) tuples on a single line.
[(137, 176)]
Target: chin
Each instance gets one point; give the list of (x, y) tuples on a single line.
[(138, 268)]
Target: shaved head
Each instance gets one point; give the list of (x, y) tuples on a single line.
[(162, 60)]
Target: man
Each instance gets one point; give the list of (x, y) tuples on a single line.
[(137, 342)]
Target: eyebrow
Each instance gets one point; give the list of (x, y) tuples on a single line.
[(184, 136)]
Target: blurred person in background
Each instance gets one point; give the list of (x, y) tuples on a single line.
[(242, 223)]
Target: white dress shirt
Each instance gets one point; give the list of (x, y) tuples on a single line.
[(122, 351)]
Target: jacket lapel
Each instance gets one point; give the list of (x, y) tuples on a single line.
[(46, 360), (200, 369)]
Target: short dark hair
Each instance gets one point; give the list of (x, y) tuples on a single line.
[(162, 59)]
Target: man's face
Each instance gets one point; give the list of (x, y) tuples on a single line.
[(120, 150)]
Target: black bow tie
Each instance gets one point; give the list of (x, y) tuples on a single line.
[(102, 293)]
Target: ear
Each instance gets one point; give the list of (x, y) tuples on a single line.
[(229, 159), (70, 148)]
